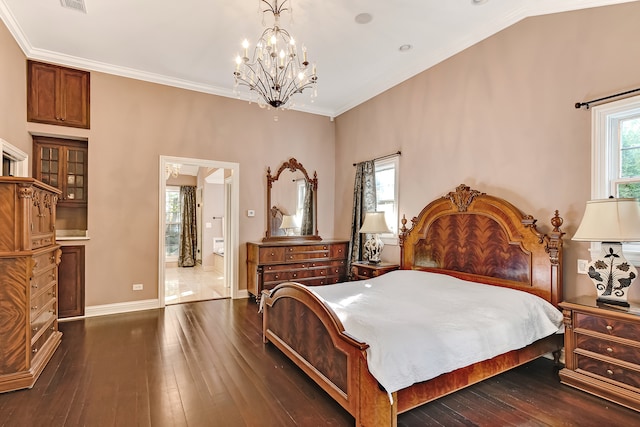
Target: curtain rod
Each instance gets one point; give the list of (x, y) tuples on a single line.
[(397, 153), (587, 104)]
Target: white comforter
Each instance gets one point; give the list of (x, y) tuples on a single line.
[(420, 325)]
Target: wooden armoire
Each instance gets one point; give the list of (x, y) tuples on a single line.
[(29, 258)]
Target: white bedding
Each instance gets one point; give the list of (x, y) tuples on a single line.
[(416, 330)]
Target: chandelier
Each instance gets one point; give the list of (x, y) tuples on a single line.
[(171, 170), (275, 71)]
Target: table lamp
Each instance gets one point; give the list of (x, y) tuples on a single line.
[(611, 221), (288, 224), (374, 224)]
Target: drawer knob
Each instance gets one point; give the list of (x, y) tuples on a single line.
[(609, 328), (35, 307), (609, 350), (295, 275), (34, 286), (609, 371), (34, 351), (272, 253), (35, 329)]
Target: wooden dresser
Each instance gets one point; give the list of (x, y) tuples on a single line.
[(29, 258), (308, 262), (602, 350)]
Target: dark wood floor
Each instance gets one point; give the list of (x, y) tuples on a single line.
[(204, 364)]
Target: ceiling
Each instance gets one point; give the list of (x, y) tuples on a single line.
[(192, 44)]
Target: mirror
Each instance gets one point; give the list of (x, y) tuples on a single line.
[(291, 203)]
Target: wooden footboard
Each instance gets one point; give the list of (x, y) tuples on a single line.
[(310, 334)]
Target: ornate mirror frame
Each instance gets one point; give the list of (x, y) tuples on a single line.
[(292, 165)]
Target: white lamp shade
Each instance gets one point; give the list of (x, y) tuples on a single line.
[(610, 220), (288, 221), (374, 223)]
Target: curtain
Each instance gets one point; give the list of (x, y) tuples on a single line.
[(364, 200), (188, 233), (306, 228)]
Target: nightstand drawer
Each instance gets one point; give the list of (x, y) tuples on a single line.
[(628, 353), (608, 371), (608, 326)]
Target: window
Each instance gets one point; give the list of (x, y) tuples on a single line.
[(616, 156), (386, 171), (172, 223)]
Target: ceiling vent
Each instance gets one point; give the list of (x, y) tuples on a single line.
[(74, 4)]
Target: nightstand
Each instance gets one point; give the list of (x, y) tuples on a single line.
[(602, 350), (364, 270)]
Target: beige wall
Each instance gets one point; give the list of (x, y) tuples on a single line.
[(500, 117), (132, 124)]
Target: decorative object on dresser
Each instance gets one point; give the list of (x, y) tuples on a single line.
[(611, 221), (602, 350), (29, 258), (307, 262), (508, 252), (295, 192), (374, 224), (57, 95), (365, 270)]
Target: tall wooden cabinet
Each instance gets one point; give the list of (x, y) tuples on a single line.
[(29, 259), (57, 95), (307, 262)]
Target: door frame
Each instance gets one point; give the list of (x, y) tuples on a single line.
[(230, 242)]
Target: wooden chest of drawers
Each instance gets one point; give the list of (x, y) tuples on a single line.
[(310, 263), (29, 261), (602, 346)]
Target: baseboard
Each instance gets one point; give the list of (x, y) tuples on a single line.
[(121, 307), (129, 306)]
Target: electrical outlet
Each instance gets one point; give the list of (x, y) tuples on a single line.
[(251, 213), (583, 266), (138, 286)]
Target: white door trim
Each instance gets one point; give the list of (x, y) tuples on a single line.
[(231, 240)]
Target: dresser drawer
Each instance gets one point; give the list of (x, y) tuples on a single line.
[(628, 353), (271, 255), (284, 275), (301, 253), (43, 280), (44, 301), (609, 371), (43, 262), (42, 322), (42, 337), (607, 326), (339, 250)]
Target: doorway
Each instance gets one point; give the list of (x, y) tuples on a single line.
[(214, 273)]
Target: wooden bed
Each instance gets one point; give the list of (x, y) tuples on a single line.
[(466, 234)]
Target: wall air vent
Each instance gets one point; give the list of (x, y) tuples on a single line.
[(74, 4)]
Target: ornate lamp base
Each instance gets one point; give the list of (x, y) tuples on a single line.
[(373, 249), (612, 274)]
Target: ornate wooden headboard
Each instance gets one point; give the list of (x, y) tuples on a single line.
[(482, 238)]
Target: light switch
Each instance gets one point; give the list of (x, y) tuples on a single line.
[(207, 225), (251, 212)]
